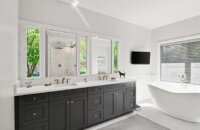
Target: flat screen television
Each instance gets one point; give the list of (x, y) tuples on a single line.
[(140, 57)]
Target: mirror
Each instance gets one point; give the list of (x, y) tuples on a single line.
[(101, 56), (61, 54)]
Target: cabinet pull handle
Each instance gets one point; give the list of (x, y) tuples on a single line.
[(34, 98), (34, 114), (72, 101)]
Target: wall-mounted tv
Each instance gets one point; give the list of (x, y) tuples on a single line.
[(140, 57)]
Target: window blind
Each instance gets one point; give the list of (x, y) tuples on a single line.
[(180, 58)]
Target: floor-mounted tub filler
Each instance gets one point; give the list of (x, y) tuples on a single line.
[(178, 100)]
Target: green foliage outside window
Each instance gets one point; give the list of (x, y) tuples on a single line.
[(83, 55), (116, 57), (33, 52)]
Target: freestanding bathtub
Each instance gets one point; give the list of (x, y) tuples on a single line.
[(177, 100)]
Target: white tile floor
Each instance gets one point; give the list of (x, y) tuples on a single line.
[(150, 112)]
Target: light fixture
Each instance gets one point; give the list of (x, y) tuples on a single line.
[(75, 3)]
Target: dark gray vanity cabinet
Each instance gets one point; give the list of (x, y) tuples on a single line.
[(95, 105), (109, 105), (78, 113), (74, 109), (114, 96), (42, 126), (119, 102), (58, 115), (130, 97), (68, 112), (31, 112)]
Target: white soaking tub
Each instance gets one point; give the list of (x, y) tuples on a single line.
[(177, 100)]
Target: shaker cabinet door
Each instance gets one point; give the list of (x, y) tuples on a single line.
[(78, 113), (109, 105), (58, 115), (119, 102)]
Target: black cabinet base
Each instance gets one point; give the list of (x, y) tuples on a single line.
[(74, 109)]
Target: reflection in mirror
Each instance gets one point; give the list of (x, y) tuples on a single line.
[(101, 56), (61, 55)]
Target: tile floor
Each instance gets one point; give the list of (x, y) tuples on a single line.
[(150, 112)]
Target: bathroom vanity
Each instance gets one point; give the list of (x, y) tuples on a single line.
[(73, 107)]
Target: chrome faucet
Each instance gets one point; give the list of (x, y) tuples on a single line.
[(105, 77), (57, 81), (85, 79), (63, 80)]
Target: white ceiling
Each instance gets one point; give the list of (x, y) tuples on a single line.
[(147, 13)]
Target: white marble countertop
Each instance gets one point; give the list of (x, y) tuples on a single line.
[(19, 91)]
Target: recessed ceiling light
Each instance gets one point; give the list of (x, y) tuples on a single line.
[(75, 3)]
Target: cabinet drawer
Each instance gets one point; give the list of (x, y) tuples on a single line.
[(129, 105), (113, 87), (32, 114), (131, 85), (42, 126), (95, 101), (130, 93), (67, 94), (95, 90), (95, 116), (32, 99)]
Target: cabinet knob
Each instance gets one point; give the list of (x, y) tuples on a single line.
[(116, 93), (68, 102), (95, 116), (34, 98), (95, 101), (131, 94), (131, 105), (34, 114), (72, 101)]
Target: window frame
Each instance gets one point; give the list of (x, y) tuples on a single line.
[(40, 46), (181, 40), (88, 47)]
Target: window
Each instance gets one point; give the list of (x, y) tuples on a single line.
[(83, 55), (33, 52), (116, 46), (181, 58)]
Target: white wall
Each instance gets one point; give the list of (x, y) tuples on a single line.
[(180, 29), (133, 37), (8, 64)]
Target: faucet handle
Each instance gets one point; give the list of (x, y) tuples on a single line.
[(68, 80), (85, 79), (28, 84)]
